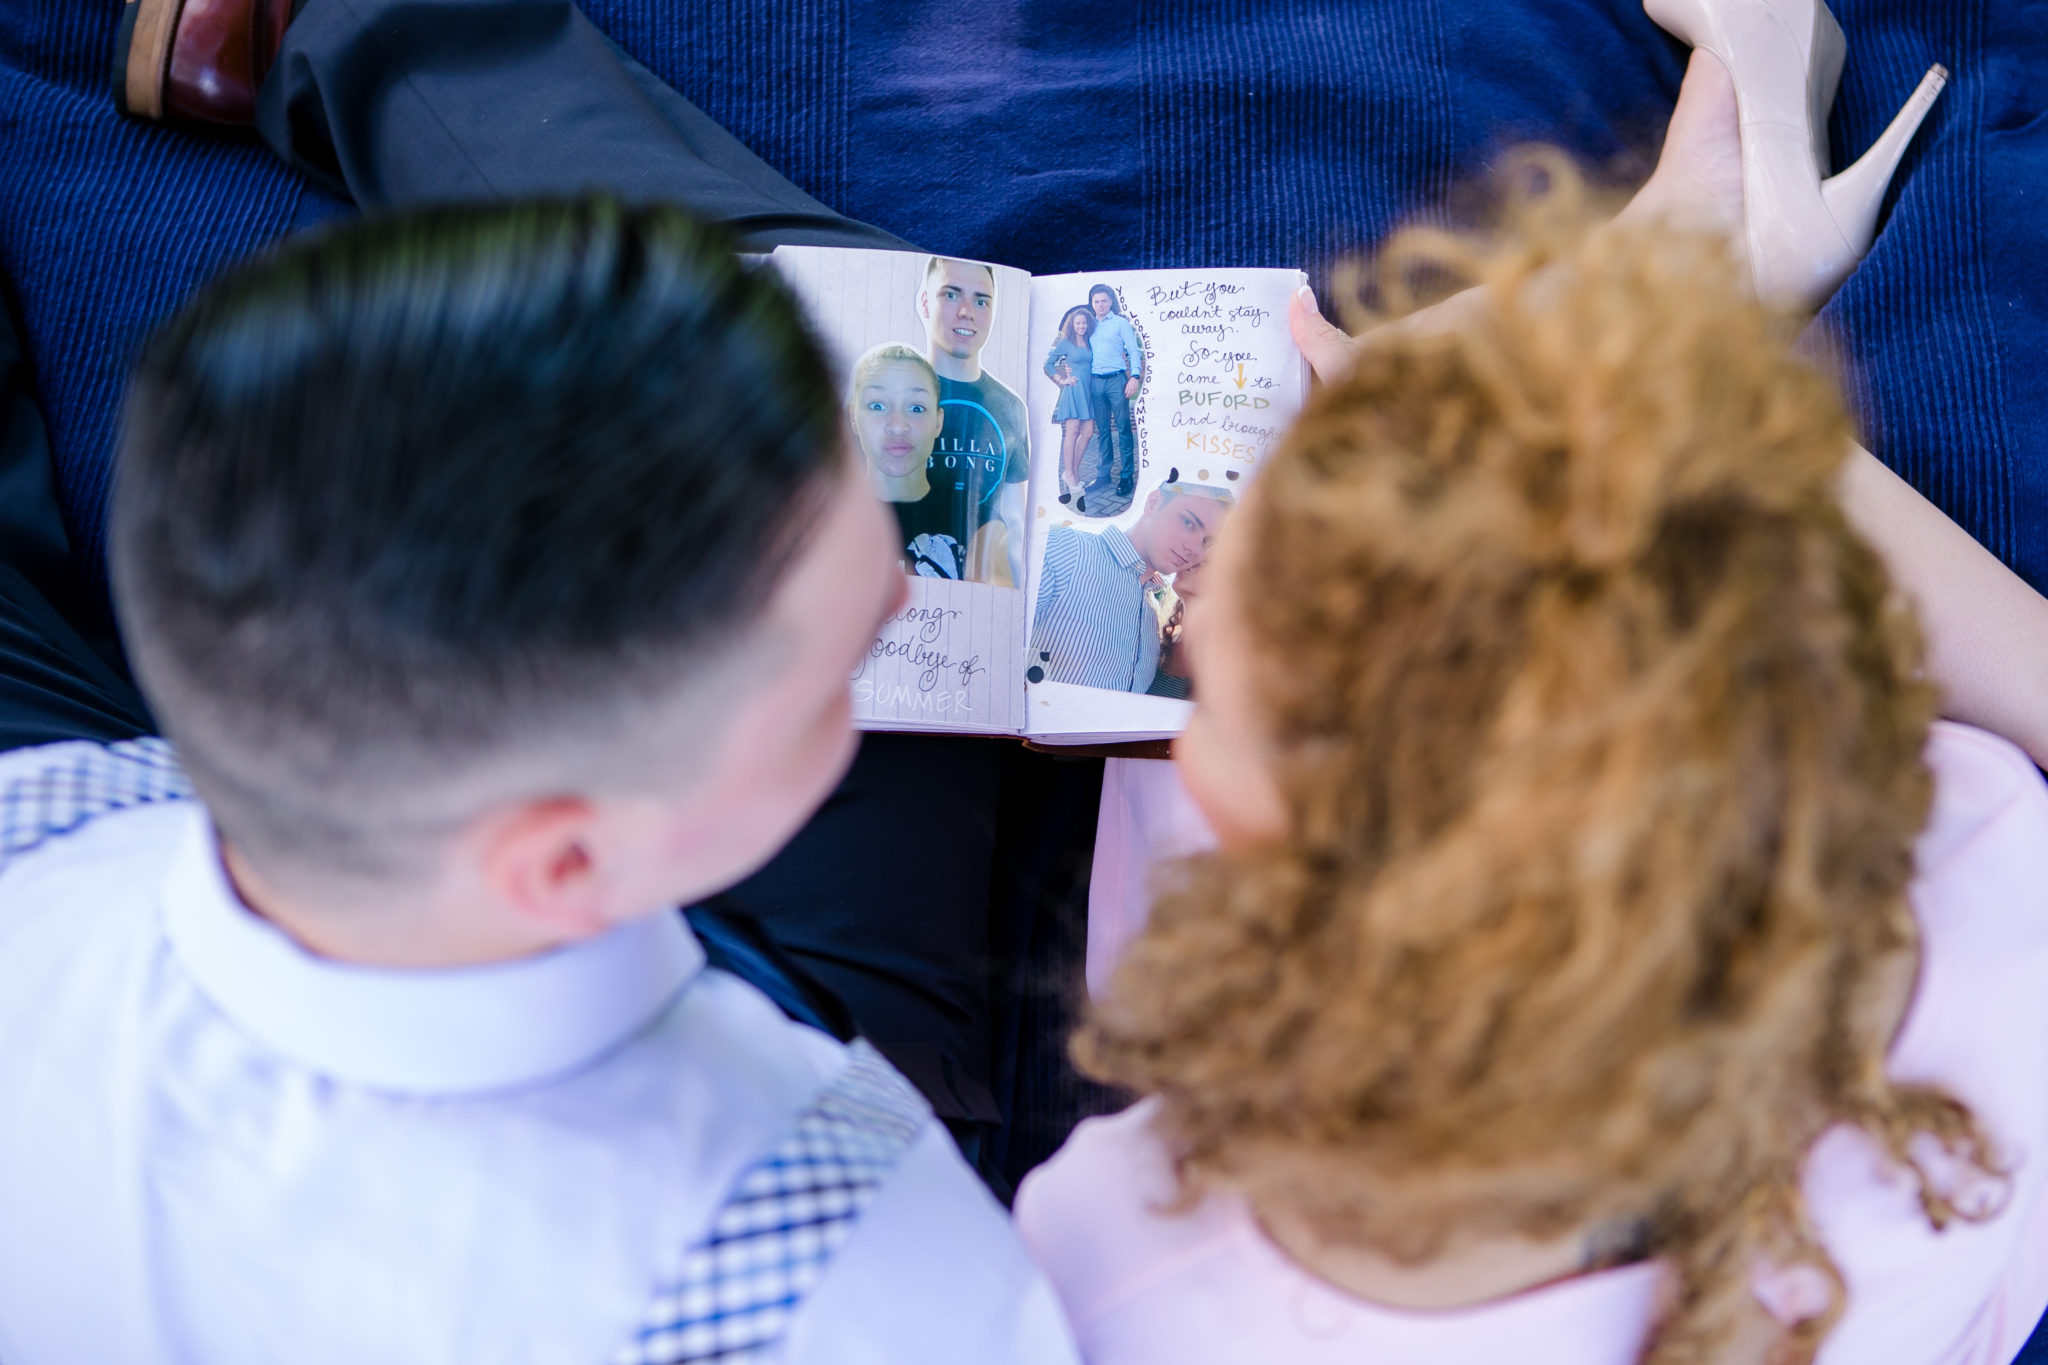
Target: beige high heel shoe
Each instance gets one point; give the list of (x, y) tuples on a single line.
[(1804, 234)]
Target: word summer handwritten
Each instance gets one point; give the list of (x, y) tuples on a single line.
[(903, 697)]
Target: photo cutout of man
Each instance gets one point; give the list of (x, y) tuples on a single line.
[(1094, 624), (980, 462)]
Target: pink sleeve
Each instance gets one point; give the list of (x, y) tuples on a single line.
[(1065, 1210), (1095, 1216), (1978, 1028), (1979, 1021)]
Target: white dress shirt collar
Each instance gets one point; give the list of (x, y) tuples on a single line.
[(459, 1030)]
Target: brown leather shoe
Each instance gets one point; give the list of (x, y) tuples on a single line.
[(197, 60)]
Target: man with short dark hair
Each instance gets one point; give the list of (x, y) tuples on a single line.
[(418, 516), (490, 623), (401, 102)]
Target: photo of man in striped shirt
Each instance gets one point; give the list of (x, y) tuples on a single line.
[(1094, 624)]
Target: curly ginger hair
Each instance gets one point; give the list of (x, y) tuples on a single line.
[(1599, 732)]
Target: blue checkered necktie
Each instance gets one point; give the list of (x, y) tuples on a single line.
[(773, 1238)]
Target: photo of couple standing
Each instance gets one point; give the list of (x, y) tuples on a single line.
[(1099, 364), (943, 439)]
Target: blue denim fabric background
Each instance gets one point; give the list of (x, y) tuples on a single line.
[(1058, 135)]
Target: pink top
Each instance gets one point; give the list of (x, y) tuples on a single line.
[(1146, 818), (1142, 1286)]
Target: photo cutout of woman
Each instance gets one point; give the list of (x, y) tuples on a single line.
[(1069, 365), (892, 407)]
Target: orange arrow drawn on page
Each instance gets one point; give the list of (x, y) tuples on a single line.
[(1240, 375)]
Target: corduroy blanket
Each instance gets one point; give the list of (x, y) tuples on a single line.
[(1058, 135)]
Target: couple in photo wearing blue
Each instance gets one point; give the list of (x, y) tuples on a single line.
[(1099, 364)]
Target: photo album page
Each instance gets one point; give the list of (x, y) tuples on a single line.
[(1190, 378), (1060, 455), (933, 355)]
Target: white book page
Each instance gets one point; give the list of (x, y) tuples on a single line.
[(946, 661), (931, 354), (1222, 379)]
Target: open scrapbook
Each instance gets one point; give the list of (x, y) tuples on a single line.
[(1060, 453)]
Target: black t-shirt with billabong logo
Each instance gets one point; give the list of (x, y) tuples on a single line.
[(980, 448)]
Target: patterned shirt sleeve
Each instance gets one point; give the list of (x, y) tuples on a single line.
[(1055, 570)]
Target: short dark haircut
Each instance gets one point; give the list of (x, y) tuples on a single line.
[(398, 496), (1095, 289)]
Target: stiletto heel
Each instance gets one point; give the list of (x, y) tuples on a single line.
[(1853, 195), (1803, 233)]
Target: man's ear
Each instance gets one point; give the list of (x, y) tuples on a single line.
[(1158, 495), (545, 859)]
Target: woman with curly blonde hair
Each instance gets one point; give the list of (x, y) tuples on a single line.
[(1564, 987)]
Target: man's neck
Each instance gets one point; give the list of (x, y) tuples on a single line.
[(1136, 537), (394, 932), (962, 369)]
